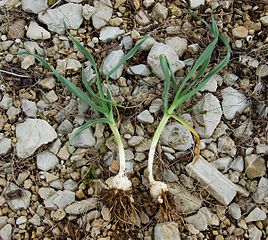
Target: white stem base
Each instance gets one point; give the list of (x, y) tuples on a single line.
[(119, 182), (157, 188)]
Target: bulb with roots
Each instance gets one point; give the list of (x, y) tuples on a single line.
[(157, 188), (120, 182)]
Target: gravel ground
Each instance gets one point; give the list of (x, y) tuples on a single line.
[(49, 187)]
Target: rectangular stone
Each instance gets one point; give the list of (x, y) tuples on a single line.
[(219, 186)]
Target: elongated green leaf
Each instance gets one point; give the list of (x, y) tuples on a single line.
[(87, 125), (166, 72), (126, 57)]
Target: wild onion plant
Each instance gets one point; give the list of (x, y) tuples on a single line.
[(100, 102), (191, 84)]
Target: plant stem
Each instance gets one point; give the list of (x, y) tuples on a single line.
[(121, 151), (156, 137)]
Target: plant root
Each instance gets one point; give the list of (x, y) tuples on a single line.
[(121, 204), (167, 210)]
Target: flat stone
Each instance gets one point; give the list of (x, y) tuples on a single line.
[(17, 29), (196, 3), (69, 13), (233, 102), (142, 18), (145, 117), (140, 69), (65, 127), (264, 21), (159, 12), (177, 136), (211, 218), (235, 211), (207, 115), (256, 215), (110, 61), (32, 134), (64, 198), (87, 11), (156, 105), (21, 199), (20, 220), (81, 207), (262, 70), (34, 6), (37, 32), (83, 140), (6, 232), (103, 13), (110, 33), (172, 57), (212, 84), (3, 221), (240, 32), (178, 44), (5, 146), (255, 166), (237, 164), (6, 102), (185, 202), (227, 145), (198, 220), (29, 108), (230, 79), (47, 83), (254, 233), (222, 164), (167, 231), (261, 195), (68, 64), (46, 160), (216, 183)]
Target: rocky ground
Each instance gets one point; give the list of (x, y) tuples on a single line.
[(47, 185)]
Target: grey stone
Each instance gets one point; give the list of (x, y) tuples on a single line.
[(216, 184), (6, 102), (177, 136), (254, 233), (230, 79), (69, 13), (142, 18), (46, 160), (32, 134), (110, 61), (261, 195), (167, 231), (140, 69), (227, 145), (262, 149), (20, 220), (178, 44), (110, 33), (185, 202), (198, 220), (169, 176), (84, 139), (70, 184), (264, 21), (212, 84), (45, 192), (3, 221), (68, 64), (103, 13), (5, 146), (245, 130), (256, 215), (37, 32), (6, 232), (154, 62), (255, 166), (237, 164), (29, 108), (47, 83), (145, 117), (64, 198), (34, 6), (196, 3), (65, 127), (235, 211), (211, 218), (147, 44), (20, 202), (222, 164), (156, 105), (87, 11), (135, 140), (262, 70), (233, 102), (207, 115), (81, 207), (127, 42), (159, 12)]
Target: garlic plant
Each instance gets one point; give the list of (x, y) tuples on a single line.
[(99, 101), (192, 83)]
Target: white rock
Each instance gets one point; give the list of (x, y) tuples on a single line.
[(216, 184), (167, 231), (207, 115), (68, 64), (33, 47), (27, 62), (29, 108), (46, 160), (47, 83), (45, 192), (154, 62), (256, 215), (178, 44), (237, 164), (254, 233), (264, 21), (211, 218), (212, 84), (227, 145), (64, 198), (156, 105), (233, 102), (196, 3), (34, 6), (222, 164), (20, 220), (37, 32), (159, 12), (140, 69), (177, 136), (147, 44), (245, 130), (83, 140), (145, 117), (230, 79), (5, 146), (6, 232), (3, 221), (262, 149), (81, 207), (32, 134), (110, 33), (261, 195), (65, 127), (127, 42), (148, 3), (235, 211), (262, 70), (103, 13), (87, 11), (6, 102), (20, 202), (69, 13), (110, 61), (198, 220), (141, 18)]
